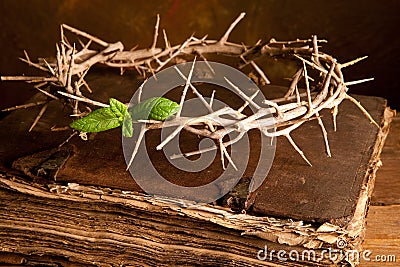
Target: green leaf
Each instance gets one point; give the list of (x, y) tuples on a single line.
[(127, 128), (155, 108), (118, 108), (99, 120)]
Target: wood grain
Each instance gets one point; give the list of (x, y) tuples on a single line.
[(383, 235)]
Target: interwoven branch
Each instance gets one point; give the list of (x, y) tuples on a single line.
[(326, 91)]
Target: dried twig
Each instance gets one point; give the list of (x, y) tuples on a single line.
[(41, 112), (34, 104)]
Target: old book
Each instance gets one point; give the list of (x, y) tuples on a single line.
[(76, 204)]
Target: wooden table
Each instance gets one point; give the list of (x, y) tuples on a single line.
[(383, 224)]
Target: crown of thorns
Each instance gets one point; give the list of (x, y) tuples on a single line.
[(67, 73)]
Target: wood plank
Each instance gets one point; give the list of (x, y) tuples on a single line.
[(383, 235)]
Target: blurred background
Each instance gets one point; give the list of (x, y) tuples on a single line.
[(352, 28)]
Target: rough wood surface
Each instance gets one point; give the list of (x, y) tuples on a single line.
[(383, 236)]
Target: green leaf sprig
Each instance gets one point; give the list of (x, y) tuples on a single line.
[(154, 108), (117, 114)]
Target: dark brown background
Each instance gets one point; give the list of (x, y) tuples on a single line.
[(353, 28)]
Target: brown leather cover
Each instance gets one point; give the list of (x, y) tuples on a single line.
[(327, 191)]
